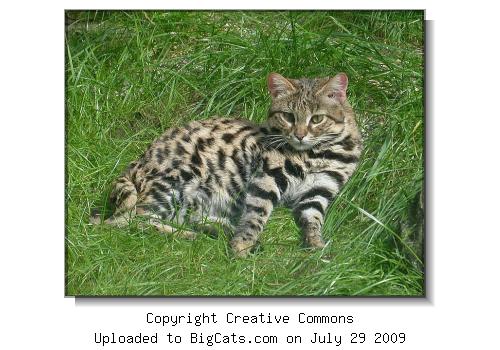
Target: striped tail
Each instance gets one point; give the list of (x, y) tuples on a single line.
[(123, 198)]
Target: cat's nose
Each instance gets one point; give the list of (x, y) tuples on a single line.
[(300, 136)]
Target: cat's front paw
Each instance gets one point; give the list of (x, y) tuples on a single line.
[(315, 242), (240, 247)]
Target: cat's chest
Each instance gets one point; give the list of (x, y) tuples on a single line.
[(303, 174), (313, 175), (298, 187)]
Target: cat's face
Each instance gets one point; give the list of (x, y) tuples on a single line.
[(307, 112)]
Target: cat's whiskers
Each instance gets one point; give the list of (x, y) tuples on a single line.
[(275, 144), (325, 138), (275, 141), (271, 137), (268, 142), (283, 143)]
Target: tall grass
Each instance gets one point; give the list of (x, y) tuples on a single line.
[(132, 75)]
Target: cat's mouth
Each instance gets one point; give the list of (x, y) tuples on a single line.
[(300, 145)]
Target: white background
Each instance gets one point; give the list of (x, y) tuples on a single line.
[(462, 307)]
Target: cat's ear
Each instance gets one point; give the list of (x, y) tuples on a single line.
[(335, 88), (279, 86)]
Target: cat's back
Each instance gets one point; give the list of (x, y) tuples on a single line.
[(212, 156), (201, 143)]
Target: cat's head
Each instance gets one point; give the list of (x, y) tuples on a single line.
[(306, 113)]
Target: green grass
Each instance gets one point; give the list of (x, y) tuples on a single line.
[(132, 75)]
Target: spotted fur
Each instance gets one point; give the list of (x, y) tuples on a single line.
[(233, 172)]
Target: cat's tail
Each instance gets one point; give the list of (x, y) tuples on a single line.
[(124, 198)]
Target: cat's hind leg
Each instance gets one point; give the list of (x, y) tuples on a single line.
[(203, 217), (213, 225), (155, 220)]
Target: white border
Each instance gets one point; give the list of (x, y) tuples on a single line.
[(462, 161)]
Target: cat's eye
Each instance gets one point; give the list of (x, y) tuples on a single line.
[(318, 118), (288, 117)]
